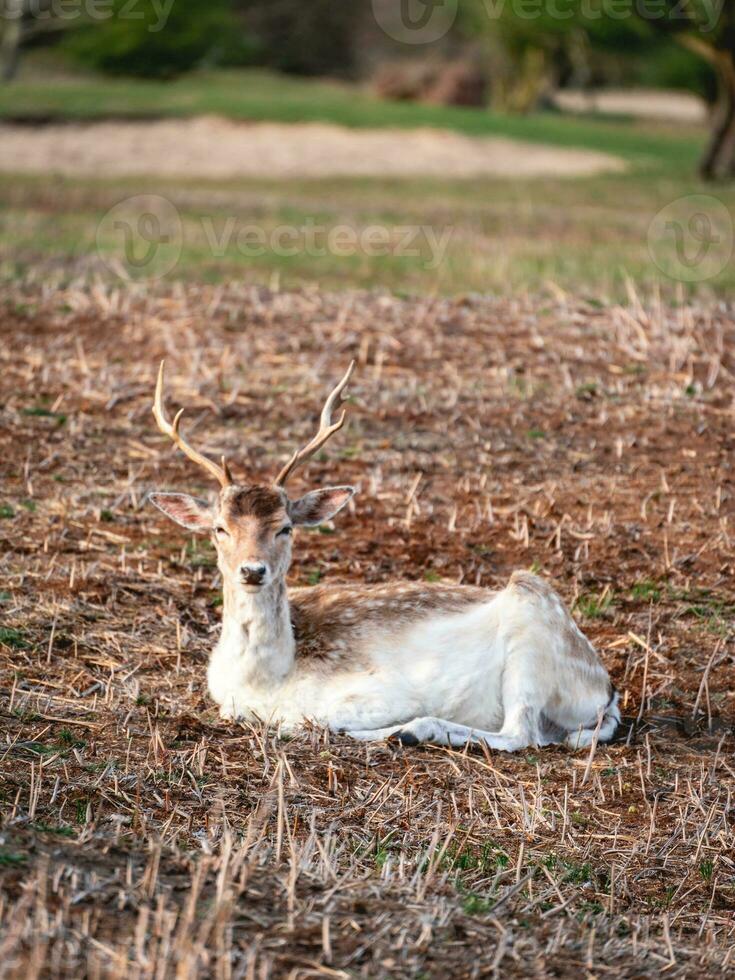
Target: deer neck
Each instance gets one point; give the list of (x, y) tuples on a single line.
[(256, 629)]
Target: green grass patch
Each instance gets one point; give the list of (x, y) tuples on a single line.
[(13, 638), (646, 591), (260, 96), (706, 870), (500, 235), (8, 859), (594, 606), (60, 830), (488, 858), (717, 614), (473, 904)]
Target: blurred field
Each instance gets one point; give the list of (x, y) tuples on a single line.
[(502, 235), (586, 235), (262, 96)]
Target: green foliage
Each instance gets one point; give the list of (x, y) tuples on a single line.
[(668, 65), (156, 40), (586, 44)]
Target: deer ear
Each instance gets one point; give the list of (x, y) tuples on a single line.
[(190, 512), (319, 505)]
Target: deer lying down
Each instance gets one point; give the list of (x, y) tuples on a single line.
[(420, 663)]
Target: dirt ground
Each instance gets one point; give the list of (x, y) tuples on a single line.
[(214, 147), (673, 106), (142, 837)]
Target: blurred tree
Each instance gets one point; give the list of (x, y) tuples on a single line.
[(11, 12), (156, 40), (580, 41), (545, 45), (23, 22), (707, 28), (11, 18)]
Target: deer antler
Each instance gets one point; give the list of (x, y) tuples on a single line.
[(171, 429), (327, 428)]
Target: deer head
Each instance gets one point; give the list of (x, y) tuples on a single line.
[(252, 524)]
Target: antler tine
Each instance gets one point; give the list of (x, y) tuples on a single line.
[(327, 428), (171, 429)]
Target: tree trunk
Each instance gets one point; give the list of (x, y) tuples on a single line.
[(718, 162), (11, 25)]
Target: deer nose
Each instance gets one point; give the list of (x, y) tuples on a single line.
[(253, 572)]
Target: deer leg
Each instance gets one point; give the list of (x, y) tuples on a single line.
[(522, 706), (524, 723), (515, 734), (371, 734)]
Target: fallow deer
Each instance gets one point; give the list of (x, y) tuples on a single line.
[(417, 662)]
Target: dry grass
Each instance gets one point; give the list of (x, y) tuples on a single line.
[(143, 838)]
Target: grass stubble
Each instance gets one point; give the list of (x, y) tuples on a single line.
[(141, 837)]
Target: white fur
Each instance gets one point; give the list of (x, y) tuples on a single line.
[(510, 671)]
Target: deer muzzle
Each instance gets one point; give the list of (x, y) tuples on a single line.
[(253, 573)]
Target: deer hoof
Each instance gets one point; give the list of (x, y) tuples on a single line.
[(405, 737)]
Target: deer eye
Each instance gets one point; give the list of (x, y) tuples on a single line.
[(285, 531), (220, 531)]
